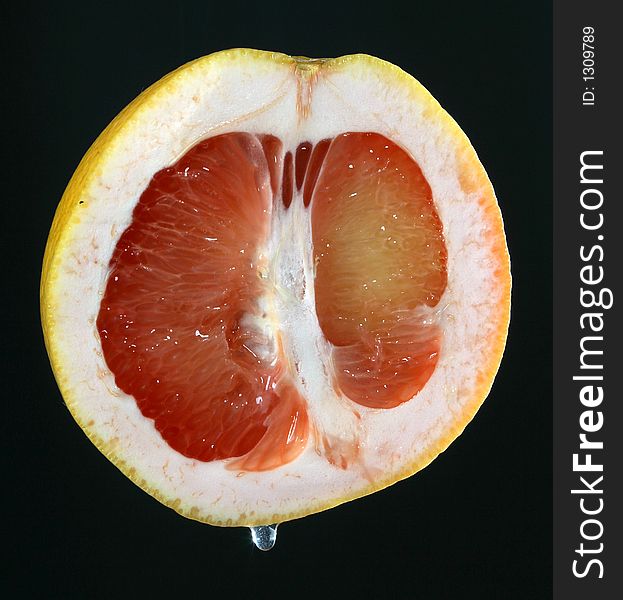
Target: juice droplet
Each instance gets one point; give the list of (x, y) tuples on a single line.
[(264, 536)]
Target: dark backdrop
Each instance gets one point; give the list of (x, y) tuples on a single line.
[(477, 522)]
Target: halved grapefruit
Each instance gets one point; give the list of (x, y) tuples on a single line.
[(275, 284)]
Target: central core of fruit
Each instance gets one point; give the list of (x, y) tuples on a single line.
[(244, 262)]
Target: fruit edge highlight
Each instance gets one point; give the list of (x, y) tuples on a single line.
[(371, 298)]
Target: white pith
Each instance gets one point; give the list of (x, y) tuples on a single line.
[(291, 266), (265, 97)]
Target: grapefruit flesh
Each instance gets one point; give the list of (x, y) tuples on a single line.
[(180, 320), (276, 284), (174, 320), (381, 262)]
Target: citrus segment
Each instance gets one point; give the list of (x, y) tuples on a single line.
[(380, 267), (303, 154), (313, 170), (272, 147), (247, 331), (286, 182), (180, 322)]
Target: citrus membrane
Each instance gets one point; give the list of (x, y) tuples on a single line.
[(274, 285)]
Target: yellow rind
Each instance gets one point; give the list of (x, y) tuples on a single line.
[(68, 214)]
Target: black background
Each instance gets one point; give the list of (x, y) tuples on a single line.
[(579, 128), (477, 522)]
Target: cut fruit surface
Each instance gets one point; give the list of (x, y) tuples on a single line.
[(380, 263), (275, 284), (177, 317)]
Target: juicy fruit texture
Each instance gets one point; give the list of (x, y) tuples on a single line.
[(381, 260), (174, 321), (153, 375), (185, 320)]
